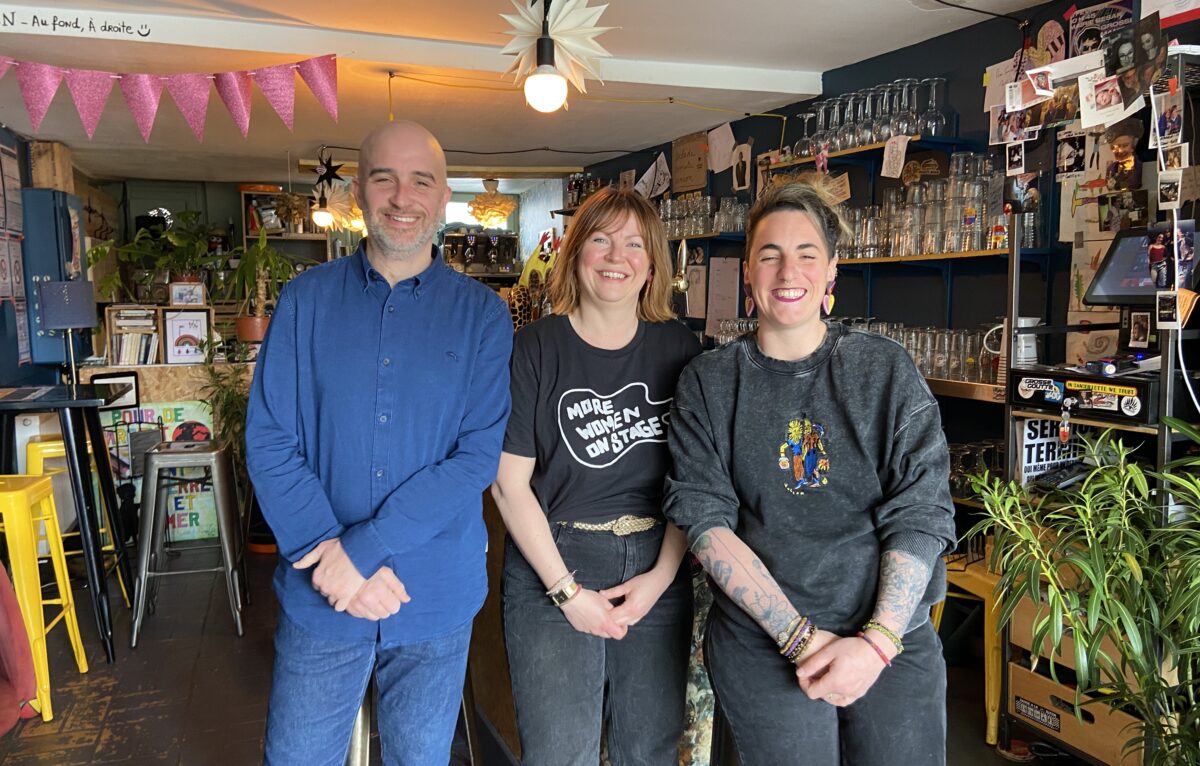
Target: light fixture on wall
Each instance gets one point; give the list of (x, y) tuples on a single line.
[(553, 46), (491, 208)]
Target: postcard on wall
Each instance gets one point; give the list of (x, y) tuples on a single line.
[(1167, 126), (1100, 101), (185, 332), (689, 162), (741, 167), (725, 275), (1169, 182), (1071, 162), (1174, 157)]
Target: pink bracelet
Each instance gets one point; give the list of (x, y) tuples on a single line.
[(878, 651)]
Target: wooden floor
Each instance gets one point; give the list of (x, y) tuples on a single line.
[(194, 693)]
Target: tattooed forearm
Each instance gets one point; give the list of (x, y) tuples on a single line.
[(739, 573), (902, 581)]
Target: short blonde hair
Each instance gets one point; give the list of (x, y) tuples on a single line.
[(812, 195), (604, 211)]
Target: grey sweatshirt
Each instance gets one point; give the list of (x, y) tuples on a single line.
[(819, 465)]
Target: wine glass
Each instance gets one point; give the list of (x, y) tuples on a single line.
[(821, 138), (835, 125), (804, 146), (866, 120), (904, 118), (883, 113), (932, 121), (848, 133)]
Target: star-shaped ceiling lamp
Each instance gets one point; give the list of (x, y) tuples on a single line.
[(327, 176), (554, 43), (491, 208)]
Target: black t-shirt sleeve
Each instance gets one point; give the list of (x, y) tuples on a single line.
[(519, 436)]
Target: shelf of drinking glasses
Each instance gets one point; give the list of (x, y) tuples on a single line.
[(925, 257), (969, 502), (725, 236), (833, 155), (961, 389)]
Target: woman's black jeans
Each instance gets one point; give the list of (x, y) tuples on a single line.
[(566, 683)]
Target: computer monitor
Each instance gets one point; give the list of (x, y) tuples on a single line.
[(1140, 262)]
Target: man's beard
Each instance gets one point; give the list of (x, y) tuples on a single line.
[(403, 246)]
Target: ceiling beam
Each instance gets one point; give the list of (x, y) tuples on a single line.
[(303, 40)]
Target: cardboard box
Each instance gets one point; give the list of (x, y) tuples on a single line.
[(1045, 706), (50, 163)]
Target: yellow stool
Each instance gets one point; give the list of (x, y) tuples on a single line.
[(27, 509), (37, 452)]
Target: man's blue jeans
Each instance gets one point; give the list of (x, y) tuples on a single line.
[(318, 686)]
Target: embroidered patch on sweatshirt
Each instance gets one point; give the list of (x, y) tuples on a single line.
[(802, 455)]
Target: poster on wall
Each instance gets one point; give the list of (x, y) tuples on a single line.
[(689, 162), (16, 268), (22, 322), (1089, 26), (1039, 448), (6, 287), (191, 512), (10, 174), (186, 331)]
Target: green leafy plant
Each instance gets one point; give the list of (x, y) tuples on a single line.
[(180, 249), (259, 276), (1107, 560), (226, 391)]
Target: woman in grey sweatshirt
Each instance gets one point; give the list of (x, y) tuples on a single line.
[(811, 476)]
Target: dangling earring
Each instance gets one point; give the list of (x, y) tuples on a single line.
[(828, 299), (749, 305)]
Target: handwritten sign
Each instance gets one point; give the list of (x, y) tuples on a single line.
[(689, 162), (114, 26)]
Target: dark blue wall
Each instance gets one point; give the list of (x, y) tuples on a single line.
[(902, 292)]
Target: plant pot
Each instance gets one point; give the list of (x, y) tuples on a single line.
[(251, 329), (189, 277)]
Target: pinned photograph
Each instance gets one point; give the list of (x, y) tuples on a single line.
[(1169, 182), (1139, 329), (1072, 156), (1150, 51), (1040, 78), (741, 167), (1022, 94), (1130, 82), (1063, 105), (1167, 127), (1005, 127), (1100, 99), (1119, 51), (1089, 25), (1166, 303), (1016, 159), (1174, 157), (1124, 210)]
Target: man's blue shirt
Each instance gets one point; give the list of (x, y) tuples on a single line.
[(377, 416)]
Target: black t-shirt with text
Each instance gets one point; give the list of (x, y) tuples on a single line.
[(595, 419)]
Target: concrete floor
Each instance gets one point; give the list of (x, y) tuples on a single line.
[(194, 693)]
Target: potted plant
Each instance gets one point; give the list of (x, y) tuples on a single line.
[(177, 252), (260, 275), (1105, 561), (188, 255)]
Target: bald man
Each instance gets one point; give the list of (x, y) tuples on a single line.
[(376, 421)]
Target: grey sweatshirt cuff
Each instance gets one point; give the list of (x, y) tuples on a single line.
[(925, 548)]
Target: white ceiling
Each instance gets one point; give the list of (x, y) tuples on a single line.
[(749, 56)]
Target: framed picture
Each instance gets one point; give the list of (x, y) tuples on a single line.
[(186, 294), (127, 400), (184, 332)]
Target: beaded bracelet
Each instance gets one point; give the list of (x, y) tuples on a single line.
[(887, 632), (810, 631), (874, 646), (796, 631)]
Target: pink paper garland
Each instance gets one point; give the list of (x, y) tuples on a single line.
[(320, 74), (191, 92), (278, 84), (235, 90), (39, 83), (142, 94), (90, 90)]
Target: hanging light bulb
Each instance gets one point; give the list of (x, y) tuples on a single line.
[(553, 46), (320, 214)]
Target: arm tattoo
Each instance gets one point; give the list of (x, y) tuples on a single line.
[(902, 581), (747, 582)]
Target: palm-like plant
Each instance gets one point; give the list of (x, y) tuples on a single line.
[(255, 284), (1106, 560)]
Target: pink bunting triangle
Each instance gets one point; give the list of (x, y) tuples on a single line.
[(191, 92), (142, 93), (5, 63), (39, 83), (278, 84), (320, 74), (234, 90), (90, 90)]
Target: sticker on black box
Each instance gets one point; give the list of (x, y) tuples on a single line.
[(1038, 714)]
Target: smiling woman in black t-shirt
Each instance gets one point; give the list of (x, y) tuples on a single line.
[(590, 555)]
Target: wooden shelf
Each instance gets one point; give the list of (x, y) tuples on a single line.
[(1078, 421), (832, 155), (301, 236), (925, 257), (564, 212), (961, 389), (729, 236)]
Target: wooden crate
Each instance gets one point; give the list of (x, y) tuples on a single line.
[(1038, 702), (50, 165), (1021, 633)]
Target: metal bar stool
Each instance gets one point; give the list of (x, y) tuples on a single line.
[(218, 469), (27, 510)]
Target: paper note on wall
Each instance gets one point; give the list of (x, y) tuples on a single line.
[(724, 276)]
